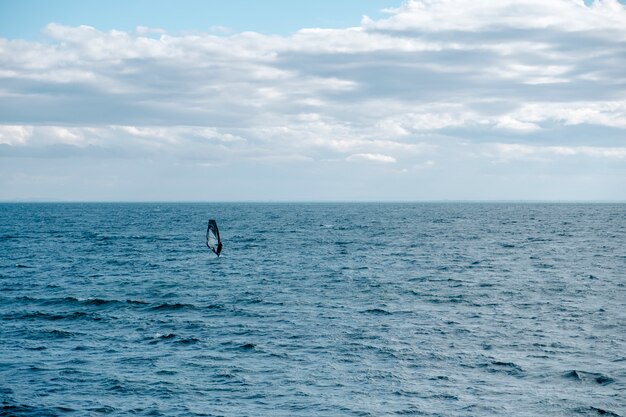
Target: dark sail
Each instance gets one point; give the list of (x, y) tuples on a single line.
[(213, 240)]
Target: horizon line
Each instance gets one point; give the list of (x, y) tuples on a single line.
[(321, 201)]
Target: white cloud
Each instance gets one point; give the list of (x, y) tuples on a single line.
[(371, 157), (510, 123), (476, 15), (514, 151), (15, 135), (601, 113), (429, 76), (66, 136)]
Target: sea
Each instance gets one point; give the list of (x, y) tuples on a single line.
[(313, 309)]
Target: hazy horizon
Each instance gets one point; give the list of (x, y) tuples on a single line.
[(51, 201)]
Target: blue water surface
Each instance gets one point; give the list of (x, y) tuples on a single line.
[(451, 309)]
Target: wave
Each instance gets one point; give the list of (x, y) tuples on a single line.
[(596, 411), (39, 315), (26, 410), (247, 346), (164, 336), (105, 409), (588, 377), (604, 412), (174, 306), (188, 341), (378, 311), (509, 368), (57, 334), (174, 338), (68, 301)]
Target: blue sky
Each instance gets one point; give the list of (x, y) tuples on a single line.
[(283, 100), (26, 18)]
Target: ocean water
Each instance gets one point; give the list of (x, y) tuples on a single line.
[(313, 310)]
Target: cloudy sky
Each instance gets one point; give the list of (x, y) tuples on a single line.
[(286, 101)]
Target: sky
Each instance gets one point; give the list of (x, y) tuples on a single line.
[(355, 100)]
